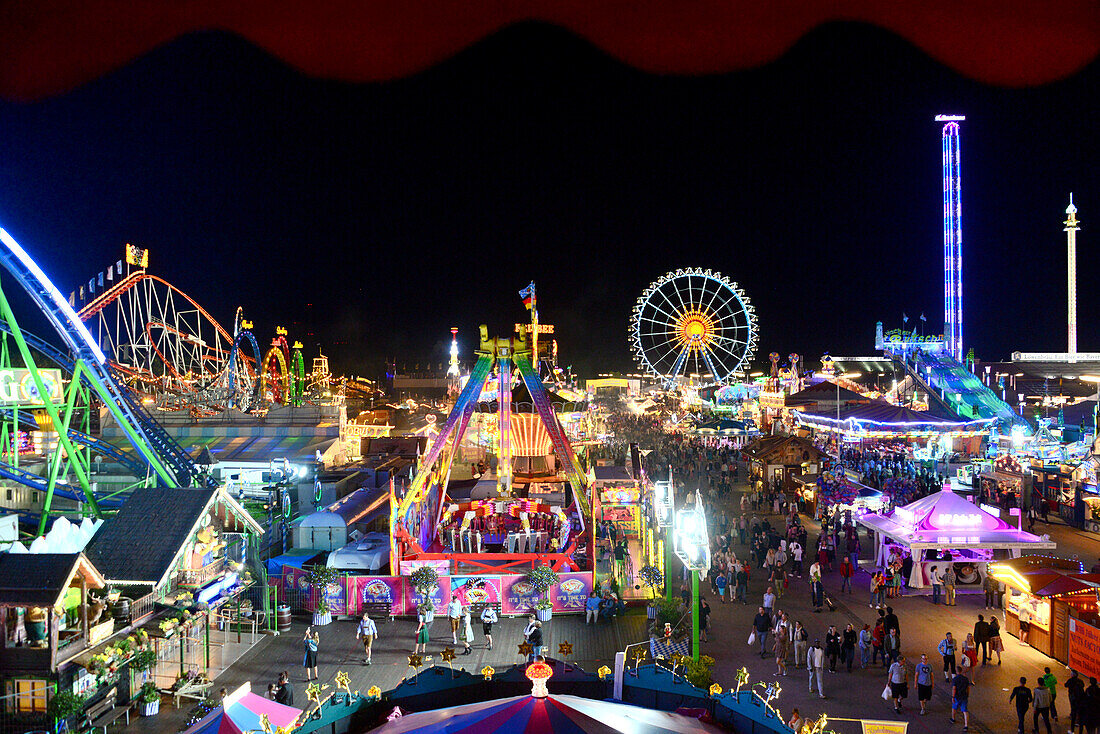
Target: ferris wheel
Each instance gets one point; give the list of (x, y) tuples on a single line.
[(693, 322)]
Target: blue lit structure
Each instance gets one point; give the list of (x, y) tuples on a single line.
[(952, 236)]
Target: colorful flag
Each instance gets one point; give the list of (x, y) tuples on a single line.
[(72, 298), (118, 267), (81, 293), (904, 318), (528, 296), (110, 272), (922, 316), (91, 286), (100, 278)]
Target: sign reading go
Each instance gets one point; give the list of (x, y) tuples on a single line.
[(17, 386)]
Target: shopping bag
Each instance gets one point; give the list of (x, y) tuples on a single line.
[(965, 662), (752, 637), (886, 693)]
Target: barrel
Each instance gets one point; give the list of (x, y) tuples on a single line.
[(120, 609), (282, 618)]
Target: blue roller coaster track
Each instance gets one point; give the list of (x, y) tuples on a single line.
[(156, 451)]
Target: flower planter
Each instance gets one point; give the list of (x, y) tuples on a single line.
[(150, 709), (320, 620), (544, 615)]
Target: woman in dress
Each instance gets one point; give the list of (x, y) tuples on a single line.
[(421, 633), (970, 652), (310, 643), (780, 647), (467, 631), (995, 644)]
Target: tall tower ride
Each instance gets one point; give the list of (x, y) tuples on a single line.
[(1071, 261), (952, 236)]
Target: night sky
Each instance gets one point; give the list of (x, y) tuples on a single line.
[(377, 216)]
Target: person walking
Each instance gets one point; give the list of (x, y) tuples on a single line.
[(936, 579), (795, 549), (949, 580), (892, 645), (466, 631), (535, 640), (1052, 685), (421, 645), (946, 648), (704, 618), (720, 585), (969, 660), (995, 644), (365, 633), (878, 637), (1092, 707), (925, 679), (769, 601), (815, 667), (960, 696), (743, 583), (454, 613), (801, 642), (1075, 692), (760, 623), (310, 643), (847, 570), (890, 621), (817, 591), (992, 589), (1021, 695), (489, 618), (832, 647), (897, 677), (1040, 699), (848, 646), (981, 637), (780, 647), (864, 646)]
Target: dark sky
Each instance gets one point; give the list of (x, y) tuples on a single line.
[(380, 215)]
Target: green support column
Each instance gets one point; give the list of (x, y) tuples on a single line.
[(695, 616), (668, 565)]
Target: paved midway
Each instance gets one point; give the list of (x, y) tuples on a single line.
[(855, 695)]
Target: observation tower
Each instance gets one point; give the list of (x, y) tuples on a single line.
[(1071, 272), (952, 237)]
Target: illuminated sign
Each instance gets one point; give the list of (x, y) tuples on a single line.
[(543, 328), (959, 520), (17, 386), (663, 501), (137, 256)]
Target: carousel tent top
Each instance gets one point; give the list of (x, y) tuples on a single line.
[(947, 519), (879, 416), (559, 714)]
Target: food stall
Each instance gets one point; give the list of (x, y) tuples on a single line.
[(946, 527), (1053, 590), (1003, 483)]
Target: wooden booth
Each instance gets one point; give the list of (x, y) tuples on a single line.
[(1052, 591)]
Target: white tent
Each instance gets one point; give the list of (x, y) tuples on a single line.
[(947, 521)]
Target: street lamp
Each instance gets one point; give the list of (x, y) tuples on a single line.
[(693, 548), (664, 508)]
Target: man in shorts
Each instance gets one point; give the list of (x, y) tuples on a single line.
[(488, 619), (454, 613), (366, 633), (897, 679), (922, 674), (960, 694)]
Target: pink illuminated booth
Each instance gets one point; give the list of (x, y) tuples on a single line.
[(947, 528)]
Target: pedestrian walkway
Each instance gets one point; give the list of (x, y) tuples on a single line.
[(593, 645)]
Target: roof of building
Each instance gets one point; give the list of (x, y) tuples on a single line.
[(764, 447), (40, 579), (144, 538), (612, 473)]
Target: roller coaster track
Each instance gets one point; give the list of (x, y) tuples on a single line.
[(152, 443), (60, 489), (26, 419)]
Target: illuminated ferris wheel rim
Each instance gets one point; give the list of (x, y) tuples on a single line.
[(693, 320)]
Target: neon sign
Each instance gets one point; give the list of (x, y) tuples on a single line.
[(17, 386), (959, 520)]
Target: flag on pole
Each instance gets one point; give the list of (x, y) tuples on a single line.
[(118, 267), (100, 278), (91, 286), (72, 298), (110, 272), (82, 293), (528, 296), (922, 316), (904, 318)]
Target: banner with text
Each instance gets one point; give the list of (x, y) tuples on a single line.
[(1084, 648)]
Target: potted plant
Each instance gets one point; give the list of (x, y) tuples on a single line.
[(652, 579), (321, 578), (543, 578), (149, 698), (662, 611), (65, 705)]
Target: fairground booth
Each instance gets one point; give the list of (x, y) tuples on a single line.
[(945, 527), (1060, 600), (1003, 482)]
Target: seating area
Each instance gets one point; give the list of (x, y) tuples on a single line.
[(101, 715)]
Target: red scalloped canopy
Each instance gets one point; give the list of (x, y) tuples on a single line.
[(49, 46)]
